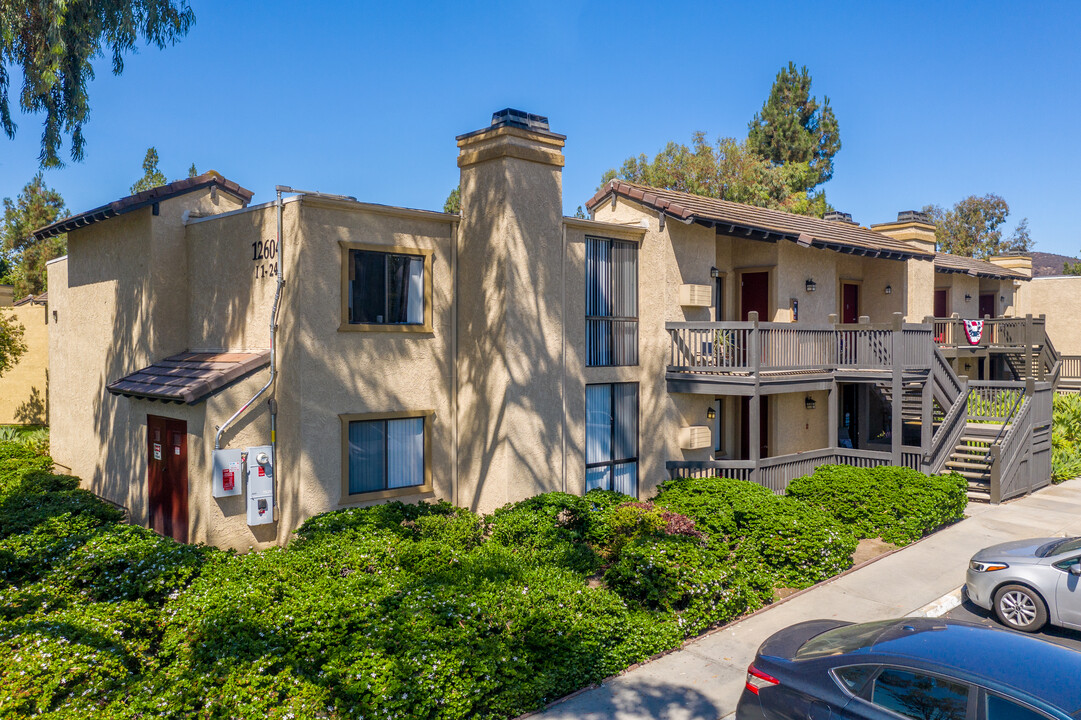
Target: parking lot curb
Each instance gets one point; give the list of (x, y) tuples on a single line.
[(941, 606)]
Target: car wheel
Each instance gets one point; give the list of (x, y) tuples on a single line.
[(1020, 608)]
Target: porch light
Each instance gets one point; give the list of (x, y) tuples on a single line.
[(714, 273), (711, 414), (810, 285), (889, 290), (809, 403)]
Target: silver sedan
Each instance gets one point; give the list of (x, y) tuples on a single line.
[(1029, 583)]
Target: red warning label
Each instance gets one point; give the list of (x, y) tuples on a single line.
[(227, 480)]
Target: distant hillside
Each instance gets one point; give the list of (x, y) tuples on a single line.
[(1048, 263)]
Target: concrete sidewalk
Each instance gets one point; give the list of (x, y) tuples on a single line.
[(704, 679)]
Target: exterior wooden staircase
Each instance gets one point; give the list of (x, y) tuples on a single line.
[(971, 459)]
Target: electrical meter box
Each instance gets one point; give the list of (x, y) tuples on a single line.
[(228, 473), (260, 485)]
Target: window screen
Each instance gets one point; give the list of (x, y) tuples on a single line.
[(612, 437), (611, 302), (385, 454), (386, 289)]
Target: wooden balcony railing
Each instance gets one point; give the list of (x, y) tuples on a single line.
[(751, 347)]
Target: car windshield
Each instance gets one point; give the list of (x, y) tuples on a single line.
[(1057, 547), (843, 639)]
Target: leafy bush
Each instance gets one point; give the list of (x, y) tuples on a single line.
[(678, 573), (898, 504), (549, 528), (797, 544), (395, 610), (1065, 437)]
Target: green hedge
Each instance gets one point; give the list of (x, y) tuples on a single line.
[(425, 610), (898, 504), (794, 544)]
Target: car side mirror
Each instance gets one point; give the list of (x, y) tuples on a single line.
[(1075, 569)]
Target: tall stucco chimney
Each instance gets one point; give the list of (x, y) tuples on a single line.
[(510, 311), (913, 227), (1017, 262)]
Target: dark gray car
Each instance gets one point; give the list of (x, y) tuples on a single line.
[(1029, 583)]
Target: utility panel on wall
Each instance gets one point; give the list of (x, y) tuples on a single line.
[(228, 472), (260, 485)]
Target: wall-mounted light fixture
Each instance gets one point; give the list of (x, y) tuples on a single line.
[(711, 414), (810, 285), (889, 290), (809, 402), (967, 297), (714, 273)]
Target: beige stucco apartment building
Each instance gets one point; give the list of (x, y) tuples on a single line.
[(490, 355), (24, 388)]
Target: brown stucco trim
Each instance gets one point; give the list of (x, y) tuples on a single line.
[(348, 499), (596, 227), (391, 210), (426, 253)]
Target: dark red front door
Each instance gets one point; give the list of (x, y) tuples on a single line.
[(987, 305), (850, 301), (754, 295), (941, 306), (167, 476)]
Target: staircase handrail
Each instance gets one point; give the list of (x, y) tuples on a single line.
[(1007, 422), (949, 431), (1010, 452)]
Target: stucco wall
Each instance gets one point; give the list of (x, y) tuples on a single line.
[(25, 387), (1059, 299), (796, 427)]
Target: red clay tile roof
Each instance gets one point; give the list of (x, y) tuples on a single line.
[(188, 377), (139, 200), (947, 263), (731, 217)]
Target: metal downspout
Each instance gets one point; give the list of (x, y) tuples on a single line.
[(273, 344)]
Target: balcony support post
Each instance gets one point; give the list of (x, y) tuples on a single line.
[(834, 403), (897, 388), (754, 422), (1028, 346)]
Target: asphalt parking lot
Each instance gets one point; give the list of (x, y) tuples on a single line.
[(974, 613)]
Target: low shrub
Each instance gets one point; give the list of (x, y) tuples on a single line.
[(710, 502), (1065, 437), (550, 528), (796, 543), (898, 504), (679, 574)]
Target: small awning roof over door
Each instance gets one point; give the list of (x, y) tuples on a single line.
[(188, 377)]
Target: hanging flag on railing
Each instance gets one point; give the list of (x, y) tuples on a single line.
[(974, 331)]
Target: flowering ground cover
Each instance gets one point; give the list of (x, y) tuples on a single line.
[(406, 611)]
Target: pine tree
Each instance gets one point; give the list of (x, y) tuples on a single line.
[(453, 203), (36, 206), (192, 172), (152, 176), (792, 128)]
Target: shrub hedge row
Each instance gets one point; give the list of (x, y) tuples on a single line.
[(418, 611)]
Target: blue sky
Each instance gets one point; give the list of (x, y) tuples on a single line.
[(935, 101)]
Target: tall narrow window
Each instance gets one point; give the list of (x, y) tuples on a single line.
[(612, 438), (386, 288), (611, 302)]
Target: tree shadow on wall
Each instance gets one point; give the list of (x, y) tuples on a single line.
[(33, 411)]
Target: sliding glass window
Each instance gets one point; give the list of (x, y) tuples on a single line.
[(611, 302), (385, 455), (612, 438)]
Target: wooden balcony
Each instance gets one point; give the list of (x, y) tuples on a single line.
[(1020, 345), (747, 358)]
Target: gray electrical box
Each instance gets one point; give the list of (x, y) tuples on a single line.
[(260, 485), (228, 473)]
